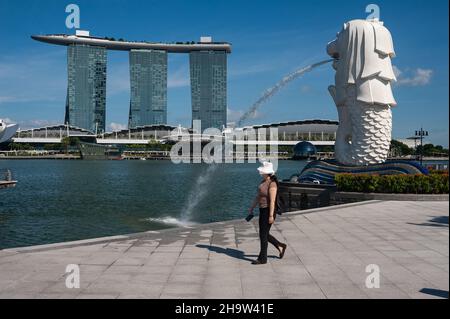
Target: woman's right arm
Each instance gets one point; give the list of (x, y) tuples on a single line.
[(254, 204)]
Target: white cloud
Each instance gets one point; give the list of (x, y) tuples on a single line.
[(7, 120), (117, 126), (41, 123), (235, 115), (417, 77), (33, 123), (36, 123)]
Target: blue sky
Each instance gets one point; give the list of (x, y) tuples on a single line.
[(270, 39)]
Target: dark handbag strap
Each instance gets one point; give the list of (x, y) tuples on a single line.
[(268, 192)]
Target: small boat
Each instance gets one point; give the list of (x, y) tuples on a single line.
[(7, 182), (142, 159)]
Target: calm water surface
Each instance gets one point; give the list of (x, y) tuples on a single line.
[(57, 201)]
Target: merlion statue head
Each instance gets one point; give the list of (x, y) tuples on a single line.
[(362, 92), (363, 51)]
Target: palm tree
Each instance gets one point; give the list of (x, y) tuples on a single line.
[(69, 141), (65, 142)]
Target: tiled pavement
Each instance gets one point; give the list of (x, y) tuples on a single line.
[(328, 252)]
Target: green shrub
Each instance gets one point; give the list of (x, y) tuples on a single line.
[(438, 172), (436, 183)]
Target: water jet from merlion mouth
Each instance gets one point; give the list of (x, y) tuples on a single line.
[(269, 93), (200, 187)]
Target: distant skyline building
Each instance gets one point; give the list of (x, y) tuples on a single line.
[(86, 92), (209, 88), (86, 87), (148, 83)]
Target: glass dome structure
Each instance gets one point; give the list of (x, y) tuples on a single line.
[(304, 150)]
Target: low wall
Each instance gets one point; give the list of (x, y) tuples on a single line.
[(309, 196), (306, 196), (41, 157)]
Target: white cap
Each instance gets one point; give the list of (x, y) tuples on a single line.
[(266, 168)]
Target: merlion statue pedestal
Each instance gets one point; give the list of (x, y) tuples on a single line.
[(363, 51)]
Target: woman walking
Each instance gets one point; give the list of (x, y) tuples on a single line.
[(265, 199)]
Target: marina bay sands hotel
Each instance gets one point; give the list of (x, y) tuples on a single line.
[(86, 89)]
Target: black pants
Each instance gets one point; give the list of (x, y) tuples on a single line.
[(264, 234)]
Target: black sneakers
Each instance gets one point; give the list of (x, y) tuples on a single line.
[(283, 250)]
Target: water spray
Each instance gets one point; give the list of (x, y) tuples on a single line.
[(269, 93), (198, 192)]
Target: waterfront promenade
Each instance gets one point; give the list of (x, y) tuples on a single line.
[(328, 252)]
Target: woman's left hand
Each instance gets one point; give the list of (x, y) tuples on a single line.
[(271, 220)]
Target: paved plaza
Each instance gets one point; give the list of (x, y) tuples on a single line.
[(328, 252)]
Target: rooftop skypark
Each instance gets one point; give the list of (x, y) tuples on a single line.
[(83, 37)]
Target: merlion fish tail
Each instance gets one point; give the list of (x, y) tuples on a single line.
[(371, 134)]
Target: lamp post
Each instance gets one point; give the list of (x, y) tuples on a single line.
[(421, 135)]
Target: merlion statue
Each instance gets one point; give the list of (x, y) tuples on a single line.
[(362, 93)]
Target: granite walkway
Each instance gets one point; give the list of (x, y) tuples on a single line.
[(329, 250)]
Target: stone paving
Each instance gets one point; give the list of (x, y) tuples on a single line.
[(328, 252)]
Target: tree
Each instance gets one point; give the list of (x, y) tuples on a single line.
[(52, 147), (400, 149), (432, 150), (326, 149), (20, 147), (65, 142), (69, 141)]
